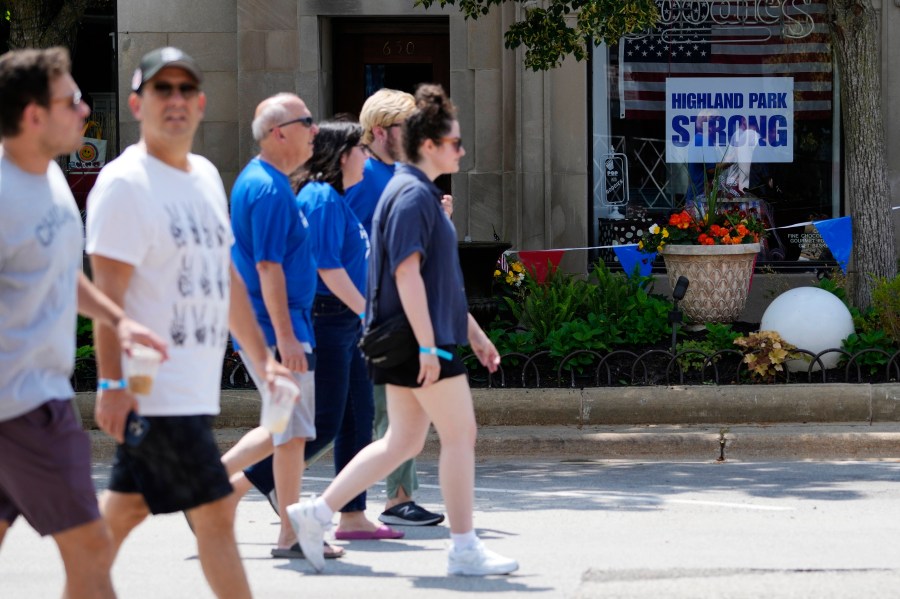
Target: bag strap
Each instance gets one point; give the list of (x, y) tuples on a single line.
[(381, 224)]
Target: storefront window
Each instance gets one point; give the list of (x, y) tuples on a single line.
[(741, 95)]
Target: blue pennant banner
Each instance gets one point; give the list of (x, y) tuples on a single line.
[(630, 256), (838, 236)]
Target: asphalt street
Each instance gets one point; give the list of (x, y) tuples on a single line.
[(579, 528)]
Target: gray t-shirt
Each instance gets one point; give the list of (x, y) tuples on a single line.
[(41, 241), (414, 221)]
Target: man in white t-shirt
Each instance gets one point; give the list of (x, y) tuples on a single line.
[(45, 469), (160, 240)]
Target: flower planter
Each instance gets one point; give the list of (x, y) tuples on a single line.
[(719, 278)]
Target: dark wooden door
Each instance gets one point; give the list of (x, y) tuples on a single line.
[(370, 54)]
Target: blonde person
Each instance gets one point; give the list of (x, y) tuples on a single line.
[(422, 278)]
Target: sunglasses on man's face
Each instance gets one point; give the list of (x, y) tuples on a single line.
[(166, 90), (306, 121), (456, 141)]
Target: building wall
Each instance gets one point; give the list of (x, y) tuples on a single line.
[(526, 170), (518, 153), (205, 29)]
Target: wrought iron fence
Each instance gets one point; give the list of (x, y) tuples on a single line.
[(620, 368)]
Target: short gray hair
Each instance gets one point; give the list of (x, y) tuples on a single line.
[(273, 113)]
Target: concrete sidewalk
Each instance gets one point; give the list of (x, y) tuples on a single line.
[(822, 421)]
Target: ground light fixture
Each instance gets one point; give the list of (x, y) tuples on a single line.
[(675, 316)]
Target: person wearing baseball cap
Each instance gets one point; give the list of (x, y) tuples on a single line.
[(155, 61), (159, 238)]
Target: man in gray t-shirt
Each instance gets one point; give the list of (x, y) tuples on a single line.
[(45, 473)]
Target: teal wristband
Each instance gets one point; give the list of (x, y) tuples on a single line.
[(362, 315), (111, 384), (436, 351)]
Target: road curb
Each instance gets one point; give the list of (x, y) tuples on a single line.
[(695, 404)]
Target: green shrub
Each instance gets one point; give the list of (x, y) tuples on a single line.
[(886, 306), (870, 362), (718, 337)]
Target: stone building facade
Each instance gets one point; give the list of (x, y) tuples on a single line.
[(528, 173)]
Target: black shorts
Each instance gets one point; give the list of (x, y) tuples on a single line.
[(406, 373), (176, 467)]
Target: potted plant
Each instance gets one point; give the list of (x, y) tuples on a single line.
[(714, 245)]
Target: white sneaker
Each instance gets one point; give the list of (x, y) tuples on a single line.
[(310, 532), (478, 560)]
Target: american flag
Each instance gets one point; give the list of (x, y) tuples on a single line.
[(721, 49)]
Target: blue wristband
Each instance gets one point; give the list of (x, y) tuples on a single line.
[(111, 384), (362, 315), (436, 351)]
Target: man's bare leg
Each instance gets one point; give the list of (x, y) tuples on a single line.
[(216, 544), (122, 512), (87, 553), (288, 470)]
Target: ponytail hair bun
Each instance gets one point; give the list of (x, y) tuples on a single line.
[(432, 119)]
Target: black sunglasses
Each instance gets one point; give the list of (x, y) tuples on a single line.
[(456, 141), (306, 121), (164, 89)]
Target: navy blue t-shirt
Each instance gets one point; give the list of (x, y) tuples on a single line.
[(269, 226), (414, 221), (341, 240), (363, 197)]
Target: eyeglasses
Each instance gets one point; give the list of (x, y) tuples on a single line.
[(166, 90), (72, 101), (456, 141), (306, 121)]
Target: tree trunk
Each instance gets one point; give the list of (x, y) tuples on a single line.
[(42, 24), (855, 30)]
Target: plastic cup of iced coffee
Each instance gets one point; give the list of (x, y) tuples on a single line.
[(140, 369), (278, 404)]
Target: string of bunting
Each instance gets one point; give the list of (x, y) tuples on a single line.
[(835, 232)]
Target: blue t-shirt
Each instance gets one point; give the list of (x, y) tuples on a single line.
[(414, 221), (342, 242), (363, 197), (269, 226)]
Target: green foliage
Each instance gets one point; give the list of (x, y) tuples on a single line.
[(547, 306), (564, 27), (886, 306), (718, 337), (870, 362), (579, 335), (84, 351), (84, 327), (513, 342)]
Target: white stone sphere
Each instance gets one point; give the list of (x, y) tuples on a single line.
[(812, 319)]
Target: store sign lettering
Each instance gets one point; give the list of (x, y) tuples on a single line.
[(707, 116)]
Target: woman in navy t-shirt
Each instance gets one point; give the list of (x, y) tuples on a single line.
[(420, 277)]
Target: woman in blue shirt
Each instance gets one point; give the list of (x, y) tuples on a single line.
[(420, 277)]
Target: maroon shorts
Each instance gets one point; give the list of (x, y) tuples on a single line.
[(45, 469)]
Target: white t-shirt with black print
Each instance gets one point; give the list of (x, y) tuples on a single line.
[(173, 227)]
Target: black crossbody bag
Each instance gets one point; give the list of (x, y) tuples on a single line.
[(391, 342)]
